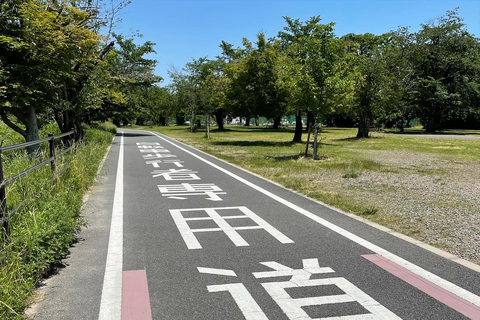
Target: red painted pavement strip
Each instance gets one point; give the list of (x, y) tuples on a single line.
[(135, 298), (446, 297)]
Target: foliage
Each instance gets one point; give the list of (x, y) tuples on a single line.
[(369, 89), (43, 229), (259, 83), (45, 47), (130, 81), (372, 80), (447, 72)]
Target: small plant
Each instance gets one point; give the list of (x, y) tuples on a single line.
[(370, 211), (351, 175)]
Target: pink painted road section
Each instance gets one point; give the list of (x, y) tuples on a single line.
[(135, 298), (446, 297)]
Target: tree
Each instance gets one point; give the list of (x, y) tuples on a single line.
[(314, 52), (42, 43), (369, 90), (267, 78), (238, 97), (399, 78), (215, 88), (131, 75), (446, 70)]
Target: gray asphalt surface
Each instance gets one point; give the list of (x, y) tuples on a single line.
[(177, 290)]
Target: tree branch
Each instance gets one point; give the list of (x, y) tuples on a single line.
[(12, 125)]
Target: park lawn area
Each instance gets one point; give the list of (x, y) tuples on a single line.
[(425, 188)]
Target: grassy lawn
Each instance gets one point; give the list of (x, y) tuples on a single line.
[(425, 188)]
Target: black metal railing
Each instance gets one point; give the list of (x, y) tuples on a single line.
[(4, 213)]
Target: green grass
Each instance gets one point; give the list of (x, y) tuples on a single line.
[(44, 228)]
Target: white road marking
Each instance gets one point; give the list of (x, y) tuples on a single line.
[(293, 307), (111, 301), (176, 174), (310, 266), (158, 156), (148, 144), (220, 272), (181, 191), (445, 284), (213, 214), (250, 309)]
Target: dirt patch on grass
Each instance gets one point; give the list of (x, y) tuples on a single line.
[(437, 198)]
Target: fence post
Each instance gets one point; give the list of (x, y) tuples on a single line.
[(3, 204), (51, 144)]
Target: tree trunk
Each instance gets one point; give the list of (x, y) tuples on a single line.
[(163, 121), (310, 120), (363, 127), (192, 122), (208, 126), (180, 120), (31, 130), (431, 125), (276, 123), (298, 127), (247, 121), (257, 120), (402, 124), (219, 118), (308, 140)]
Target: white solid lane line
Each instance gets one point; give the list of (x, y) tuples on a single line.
[(111, 302), (447, 285)]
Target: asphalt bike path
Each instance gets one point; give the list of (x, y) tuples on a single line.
[(191, 237)]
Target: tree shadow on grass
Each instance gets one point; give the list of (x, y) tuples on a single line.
[(257, 143), (263, 129), (357, 139), (295, 157), (286, 158)]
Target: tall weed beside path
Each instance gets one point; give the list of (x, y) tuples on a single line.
[(44, 228)]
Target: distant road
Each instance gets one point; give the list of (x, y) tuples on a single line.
[(440, 136)]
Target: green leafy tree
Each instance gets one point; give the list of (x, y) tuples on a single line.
[(446, 69), (399, 78), (369, 96), (131, 77), (42, 44), (237, 93), (315, 56)]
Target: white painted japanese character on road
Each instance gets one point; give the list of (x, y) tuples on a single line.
[(156, 144), (159, 149), (156, 163), (176, 174), (300, 278), (184, 190), (158, 156), (180, 216), (249, 307)]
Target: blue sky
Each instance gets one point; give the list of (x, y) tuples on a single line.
[(185, 29)]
